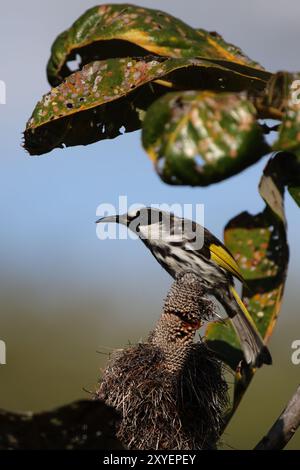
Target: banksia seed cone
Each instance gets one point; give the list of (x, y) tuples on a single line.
[(170, 391)]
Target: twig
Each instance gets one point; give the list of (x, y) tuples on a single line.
[(285, 426)]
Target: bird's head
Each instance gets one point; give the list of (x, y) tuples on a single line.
[(146, 222)]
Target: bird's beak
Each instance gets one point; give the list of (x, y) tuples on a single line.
[(108, 219)]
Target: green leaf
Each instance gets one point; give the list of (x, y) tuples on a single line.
[(259, 245), (198, 138), (289, 130), (121, 30), (97, 101), (289, 97)]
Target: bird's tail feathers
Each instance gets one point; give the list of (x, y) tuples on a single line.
[(255, 351)]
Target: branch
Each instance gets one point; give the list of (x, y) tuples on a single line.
[(84, 424), (285, 426)]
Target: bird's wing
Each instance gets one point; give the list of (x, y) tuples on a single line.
[(221, 256), (218, 253)]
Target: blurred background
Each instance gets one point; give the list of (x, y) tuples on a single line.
[(64, 294)]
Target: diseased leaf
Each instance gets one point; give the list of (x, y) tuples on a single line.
[(121, 30), (286, 89), (198, 138), (259, 245), (289, 130), (79, 425), (94, 103)]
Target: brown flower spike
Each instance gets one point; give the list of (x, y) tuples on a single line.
[(169, 390)]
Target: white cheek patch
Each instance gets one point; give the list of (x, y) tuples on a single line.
[(157, 232), (132, 213), (151, 232)]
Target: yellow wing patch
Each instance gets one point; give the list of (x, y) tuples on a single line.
[(224, 259), (243, 307)]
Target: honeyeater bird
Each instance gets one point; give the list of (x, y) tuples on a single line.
[(181, 245)]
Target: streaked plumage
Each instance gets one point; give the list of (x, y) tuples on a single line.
[(174, 242)]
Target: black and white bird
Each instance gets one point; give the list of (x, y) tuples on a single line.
[(181, 245)]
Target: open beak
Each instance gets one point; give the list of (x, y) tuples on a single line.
[(110, 218)]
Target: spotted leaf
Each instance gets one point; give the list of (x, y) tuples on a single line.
[(259, 245), (198, 138), (105, 96), (289, 130), (121, 30)]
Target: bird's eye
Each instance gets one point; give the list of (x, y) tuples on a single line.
[(138, 228)]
